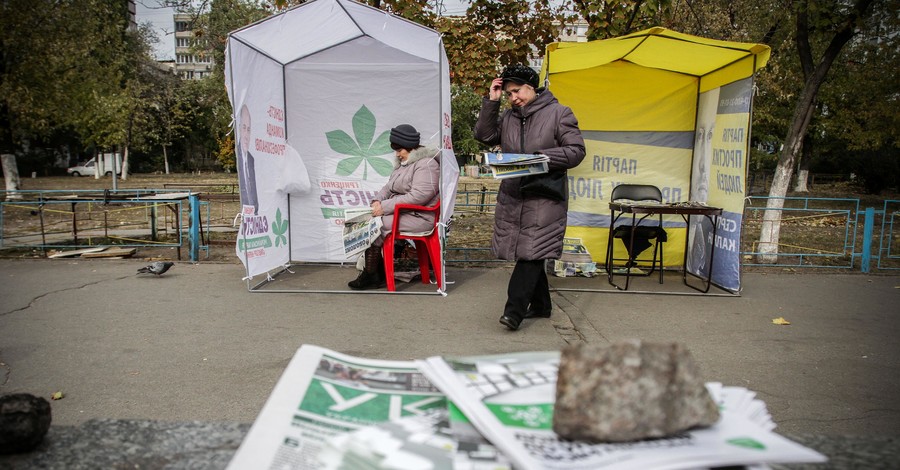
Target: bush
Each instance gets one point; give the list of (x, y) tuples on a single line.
[(877, 170)]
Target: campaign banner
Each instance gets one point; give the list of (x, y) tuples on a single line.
[(718, 179), (640, 157), (262, 158), (345, 142)]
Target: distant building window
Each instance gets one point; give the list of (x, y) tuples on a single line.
[(182, 26), (183, 42)]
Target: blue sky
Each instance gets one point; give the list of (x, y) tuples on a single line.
[(161, 19)]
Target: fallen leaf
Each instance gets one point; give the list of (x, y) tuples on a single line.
[(780, 321), (57, 396)]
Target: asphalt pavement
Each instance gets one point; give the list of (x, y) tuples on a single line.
[(196, 345)]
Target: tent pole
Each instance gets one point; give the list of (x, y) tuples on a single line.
[(747, 166), (289, 231), (442, 233), (286, 137)]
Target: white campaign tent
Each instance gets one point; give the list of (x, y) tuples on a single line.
[(315, 91)]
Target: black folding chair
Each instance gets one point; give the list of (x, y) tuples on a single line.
[(635, 236)]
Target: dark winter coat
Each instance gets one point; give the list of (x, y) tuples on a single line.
[(532, 227), (416, 182)]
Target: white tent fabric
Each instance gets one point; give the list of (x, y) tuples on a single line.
[(323, 83)]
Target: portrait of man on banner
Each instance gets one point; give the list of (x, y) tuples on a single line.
[(701, 227), (245, 164)]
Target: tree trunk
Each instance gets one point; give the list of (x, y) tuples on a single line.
[(115, 169), (165, 159), (11, 174), (801, 185), (815, 74), (770, 231), (125, 164)]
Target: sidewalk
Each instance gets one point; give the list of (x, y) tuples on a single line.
[(195, 345)]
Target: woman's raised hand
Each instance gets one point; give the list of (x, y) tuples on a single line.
[(496, 90)]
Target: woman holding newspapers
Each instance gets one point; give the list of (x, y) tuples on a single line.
[(530, 218), (415, 180)]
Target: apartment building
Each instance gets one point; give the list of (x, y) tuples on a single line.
[(188, 65), (573, 32)]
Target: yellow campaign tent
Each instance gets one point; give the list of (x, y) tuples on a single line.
[(664, 108)]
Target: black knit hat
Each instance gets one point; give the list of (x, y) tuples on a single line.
[(521, 74), (405, 136)]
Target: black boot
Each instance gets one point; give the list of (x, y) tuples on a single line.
[(372, 276)]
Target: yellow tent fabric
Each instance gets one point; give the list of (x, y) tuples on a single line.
[(638, 101), (717, 62)]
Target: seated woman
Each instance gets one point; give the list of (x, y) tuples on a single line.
[(415, 180)]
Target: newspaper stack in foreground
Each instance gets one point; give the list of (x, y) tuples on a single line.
[(333, 411), (515, 165)]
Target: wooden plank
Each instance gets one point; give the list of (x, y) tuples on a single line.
[(72, 253), (164, 196), (111, 252)]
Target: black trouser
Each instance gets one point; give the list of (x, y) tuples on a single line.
[(527, 285)]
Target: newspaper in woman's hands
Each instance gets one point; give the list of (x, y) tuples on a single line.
[(360, 230)]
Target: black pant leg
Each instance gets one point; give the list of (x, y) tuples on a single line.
[(540, 299), (522, 285)]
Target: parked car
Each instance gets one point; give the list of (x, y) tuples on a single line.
[(88, 168)]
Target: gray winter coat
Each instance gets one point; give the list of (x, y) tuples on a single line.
[(532, 227), (416, 182)]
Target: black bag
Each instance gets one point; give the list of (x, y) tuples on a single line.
[(550, 185)]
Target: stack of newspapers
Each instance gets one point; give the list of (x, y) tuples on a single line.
[(575, 260), (333, 411), (515, 165)]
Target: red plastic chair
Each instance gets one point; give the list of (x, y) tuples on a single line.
[(428, 245)]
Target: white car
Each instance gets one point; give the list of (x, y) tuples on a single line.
[(87, 169), (82, 169)]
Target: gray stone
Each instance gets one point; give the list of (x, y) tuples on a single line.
[(628, 391), (24, 420)]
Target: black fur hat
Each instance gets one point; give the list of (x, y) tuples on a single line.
[(521, 74), (405, 136)]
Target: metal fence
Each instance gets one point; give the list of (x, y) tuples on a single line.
[(66, 219), (832, 233), (475, 197), (474, 202), (889, 238), (814, 232)]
